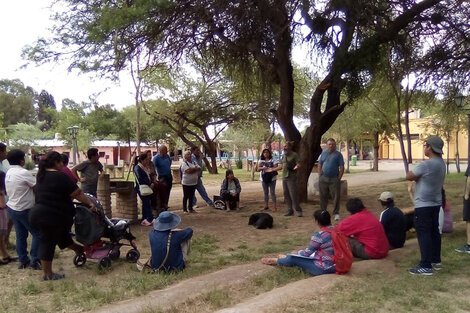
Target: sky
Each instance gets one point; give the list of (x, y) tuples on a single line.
[(21, 23)]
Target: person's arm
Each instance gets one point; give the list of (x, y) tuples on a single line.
[(341, 172), (3, 201), (78, 195), (320, 170), (467, 189), (238, 186), (411, 176), (259, 167), (78, 168), (314, 245), (223, 188), (101, 171)]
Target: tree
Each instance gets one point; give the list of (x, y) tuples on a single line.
[(193, 105), (45, 102), (16, 102), (348, 36)]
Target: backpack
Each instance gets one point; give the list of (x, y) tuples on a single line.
[(343, 255)]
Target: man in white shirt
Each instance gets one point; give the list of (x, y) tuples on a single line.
[(19, 184)]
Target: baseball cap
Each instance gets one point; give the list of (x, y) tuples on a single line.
[(435, 143), (386, 196)]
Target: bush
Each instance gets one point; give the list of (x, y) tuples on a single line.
[(29, 165), (239, 164)]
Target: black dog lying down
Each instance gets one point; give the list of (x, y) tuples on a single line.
[(261, 220)]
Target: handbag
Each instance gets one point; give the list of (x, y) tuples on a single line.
[(145, 190)]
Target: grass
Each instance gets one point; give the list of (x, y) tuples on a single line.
[(382, 292)]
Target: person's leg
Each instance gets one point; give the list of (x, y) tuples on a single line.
[(147, 208), (292, 182), (35, 238), (192, 195), (266, 194), (272, 187), (21, 237), (336, 188), (324, 192), (435, 235), (287, 198), (185, 198), (357, 249), (3, 250), (423, 226), (203, 193), (7, 237), (169, 186), (304, 263)]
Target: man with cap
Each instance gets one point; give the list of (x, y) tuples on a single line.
[(392, 220), (166, 243), (429, 176)]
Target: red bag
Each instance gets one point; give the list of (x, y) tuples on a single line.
[(343, 257)]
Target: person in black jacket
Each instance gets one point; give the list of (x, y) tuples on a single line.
[(393, 221), (230, 190)]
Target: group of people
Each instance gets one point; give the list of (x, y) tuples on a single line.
[(42, 206)]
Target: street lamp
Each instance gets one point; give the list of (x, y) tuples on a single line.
[(460, 102), (73, 131)]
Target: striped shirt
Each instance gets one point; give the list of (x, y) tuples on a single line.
[(320, 249)]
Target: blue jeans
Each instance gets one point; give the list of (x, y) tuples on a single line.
[(305, 264), (22, 228), (147, 208), (202, 192), (429, 239), (269, 187)]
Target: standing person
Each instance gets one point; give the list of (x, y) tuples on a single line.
[(90, 170), (155, 197), (268, 167), (230, 190), (5, 257), (330, 172), (366, 234), (162, 162), (53, 213), (392, 220), (466, 213), (66, 170), (429, 176), (4, 166), (190, 175), (142, 177), (196, 157), (19, 184), (289, 165)]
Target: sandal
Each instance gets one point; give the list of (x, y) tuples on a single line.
[(269, 261), (54, 276)]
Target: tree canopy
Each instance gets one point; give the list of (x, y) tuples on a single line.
[(346, 39)]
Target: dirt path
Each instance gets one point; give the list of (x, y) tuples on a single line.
[(188, 289)]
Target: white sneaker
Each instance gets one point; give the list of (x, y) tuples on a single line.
[(336, 217), (195, 206)]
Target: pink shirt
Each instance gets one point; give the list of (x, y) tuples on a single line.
[(69, 173), (368, 230)]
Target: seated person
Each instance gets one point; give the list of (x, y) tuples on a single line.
[(393, 221), (366, 235), (169, 245), (317, 258), (230, 190)]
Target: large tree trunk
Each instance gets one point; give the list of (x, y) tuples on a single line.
[(375, 167), (407, 132), (348, 155), (211, 149)]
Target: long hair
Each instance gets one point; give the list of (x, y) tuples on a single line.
[(322, 217), (270, 154), (49, 161), (140, 158)]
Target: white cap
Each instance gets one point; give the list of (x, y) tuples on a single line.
[(386, 196)]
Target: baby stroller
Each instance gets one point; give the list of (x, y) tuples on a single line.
[(91, 228)]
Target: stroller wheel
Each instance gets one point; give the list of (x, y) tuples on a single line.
[(79, 260), (104, 263), (133, 255), (114, 255)]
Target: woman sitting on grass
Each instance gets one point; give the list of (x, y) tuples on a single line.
[(317, 258)]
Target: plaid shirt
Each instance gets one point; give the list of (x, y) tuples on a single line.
[(320, 249)]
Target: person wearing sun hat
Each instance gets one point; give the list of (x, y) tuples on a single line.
[(166, 243), (429, 176), (392, 220)]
